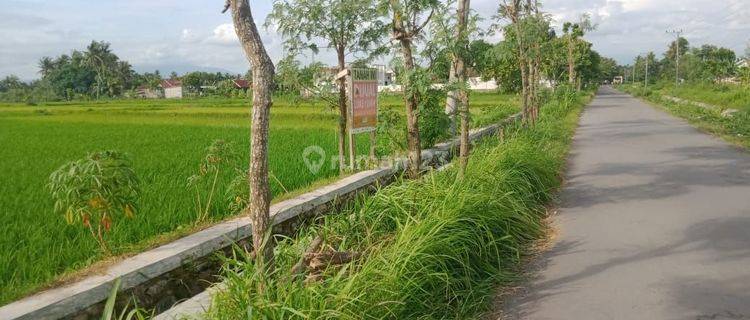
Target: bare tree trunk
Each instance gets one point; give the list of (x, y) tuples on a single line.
[(463, 157), (571, 62), (460, 68), (515, 17), (411, 99), (524, 84), (452, 98), (263, 70), (342, 112)]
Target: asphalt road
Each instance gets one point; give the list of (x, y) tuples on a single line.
[(654, 223)]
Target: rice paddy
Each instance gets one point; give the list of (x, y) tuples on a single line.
[(166, 140)]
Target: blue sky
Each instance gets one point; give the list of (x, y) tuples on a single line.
[(192, 34)]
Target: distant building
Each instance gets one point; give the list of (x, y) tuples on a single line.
[(172, 89), (386, 76), (241, 84), (148, 93), (476, 83)]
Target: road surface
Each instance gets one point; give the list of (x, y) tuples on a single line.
[(654, 223)]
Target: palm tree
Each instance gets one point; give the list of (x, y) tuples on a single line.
[(46, 65), (97, 57), (124, 74)]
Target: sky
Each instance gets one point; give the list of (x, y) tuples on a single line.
[(185, 35)]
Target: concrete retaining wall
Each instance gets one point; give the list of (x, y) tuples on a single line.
[(725, 112)]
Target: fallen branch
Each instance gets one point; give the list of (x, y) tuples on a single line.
[(319, 261), (300, 267)]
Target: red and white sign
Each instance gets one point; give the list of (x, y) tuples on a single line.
[(364, 103)]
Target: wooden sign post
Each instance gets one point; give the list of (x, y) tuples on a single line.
[(363, 107)]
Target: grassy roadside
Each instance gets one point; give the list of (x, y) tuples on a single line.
[(724, 96), (734, 129), (433, 248)]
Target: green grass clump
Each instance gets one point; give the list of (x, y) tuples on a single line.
[(166, 140), (722, 96), (734, 128), (430, 249)]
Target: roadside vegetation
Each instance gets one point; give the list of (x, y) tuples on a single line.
[(428, 248), (723, 96), (715, 76), (732, 126), (166, 140)]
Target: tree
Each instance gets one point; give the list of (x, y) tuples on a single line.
[(348, 27), (10, 82), (263, 70), (99, 57), (288, 75), (671, 59), (717, 63), (555, 61), (573, 33), (46, 65), (406, 26), (502, 66), (438, 60), (458, 97), (527, 33), (477, 58), (608, 70)]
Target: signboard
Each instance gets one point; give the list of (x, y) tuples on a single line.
[(363, 94)]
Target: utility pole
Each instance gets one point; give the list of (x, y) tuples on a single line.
[(646, 85), (678, 35)]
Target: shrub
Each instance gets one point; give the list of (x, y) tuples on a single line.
[(433, 122), (94, 190)]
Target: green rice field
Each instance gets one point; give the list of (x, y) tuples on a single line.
[(166, 140)]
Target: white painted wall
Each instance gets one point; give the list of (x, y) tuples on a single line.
[(173, 93)]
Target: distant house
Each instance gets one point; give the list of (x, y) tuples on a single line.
[(172, 89), (241, 84), (148, 93)]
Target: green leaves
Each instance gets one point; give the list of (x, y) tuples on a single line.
[(351, 26), (94, 190)]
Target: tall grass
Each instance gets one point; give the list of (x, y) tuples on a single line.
[(734, 128), (720, 95), (430, 249)]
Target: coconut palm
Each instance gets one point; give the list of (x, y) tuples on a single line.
[(46, 65), (97, 56)]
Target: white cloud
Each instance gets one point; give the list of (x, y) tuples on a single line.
[(224, 34), (188, 35), (194, 34)]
